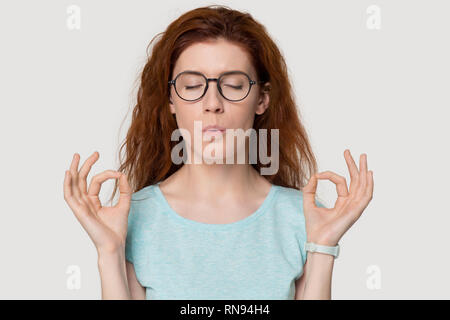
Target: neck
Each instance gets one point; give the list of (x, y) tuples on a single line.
[(218, 179)]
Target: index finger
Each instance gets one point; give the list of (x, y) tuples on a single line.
[(341, 186), (339, 181), (96, 182)]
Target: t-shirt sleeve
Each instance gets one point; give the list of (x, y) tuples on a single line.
[(131, 243), (136, 243)]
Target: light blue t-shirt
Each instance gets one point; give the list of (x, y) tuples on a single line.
[(258, 257)]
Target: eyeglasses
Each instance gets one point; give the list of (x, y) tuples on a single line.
[(232, 85)]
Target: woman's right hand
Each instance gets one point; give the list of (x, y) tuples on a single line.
[(106, 226)]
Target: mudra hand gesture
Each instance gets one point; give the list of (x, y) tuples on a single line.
[(106, 226), (326, 226)]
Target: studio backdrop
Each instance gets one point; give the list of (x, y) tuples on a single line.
[(368, 76)]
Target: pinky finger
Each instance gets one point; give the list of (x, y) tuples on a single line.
[(369, 187)]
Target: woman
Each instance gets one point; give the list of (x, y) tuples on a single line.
[(211, 229)]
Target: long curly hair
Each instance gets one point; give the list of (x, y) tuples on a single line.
[(148, 141)]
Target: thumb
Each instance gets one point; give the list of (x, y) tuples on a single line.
[(125, 193), (309, 192)]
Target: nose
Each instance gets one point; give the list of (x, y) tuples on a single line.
[(212, 100)]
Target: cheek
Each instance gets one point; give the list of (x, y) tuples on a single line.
[(185, 116), (243, 117)]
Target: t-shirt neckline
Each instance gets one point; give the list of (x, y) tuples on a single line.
[(217, 226)]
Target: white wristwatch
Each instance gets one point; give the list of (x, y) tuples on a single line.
[(314, 247)]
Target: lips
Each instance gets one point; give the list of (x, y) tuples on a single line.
[(213, 128)]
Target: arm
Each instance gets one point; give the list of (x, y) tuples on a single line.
[(113, 275), (315, 282), (137, 291), (326, 226), (118, 278), (300, 286), (106, 226)]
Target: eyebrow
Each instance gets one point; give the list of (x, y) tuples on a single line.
[(234, 70)]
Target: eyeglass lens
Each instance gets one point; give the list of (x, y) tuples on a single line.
[(234, 86)]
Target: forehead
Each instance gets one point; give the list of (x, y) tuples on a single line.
[(214, 57)]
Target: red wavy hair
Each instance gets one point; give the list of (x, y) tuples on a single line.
[(148, 141)]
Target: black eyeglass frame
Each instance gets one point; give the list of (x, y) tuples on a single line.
[(251, 83)]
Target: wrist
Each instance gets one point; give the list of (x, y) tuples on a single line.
[(323, 242), (324, 247), (109, 255), (111, 248)]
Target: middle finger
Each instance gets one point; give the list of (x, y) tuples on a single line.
[(84, 171), (362, 174)]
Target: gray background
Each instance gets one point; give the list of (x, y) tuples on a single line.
[(382, 92)]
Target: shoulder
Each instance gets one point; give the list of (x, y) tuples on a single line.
[(288, 207), (145, 204), (144, 192), (288, 193), (290, 200), (145, 197), (288, 197)]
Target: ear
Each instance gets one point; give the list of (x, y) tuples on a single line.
[(171, 105), (264, 99)]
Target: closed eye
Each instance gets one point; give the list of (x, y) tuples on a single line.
[(193, 87), (234, 87)]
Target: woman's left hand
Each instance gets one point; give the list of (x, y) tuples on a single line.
[(326, 226)]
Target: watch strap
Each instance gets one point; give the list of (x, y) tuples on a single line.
[(314, 247)]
